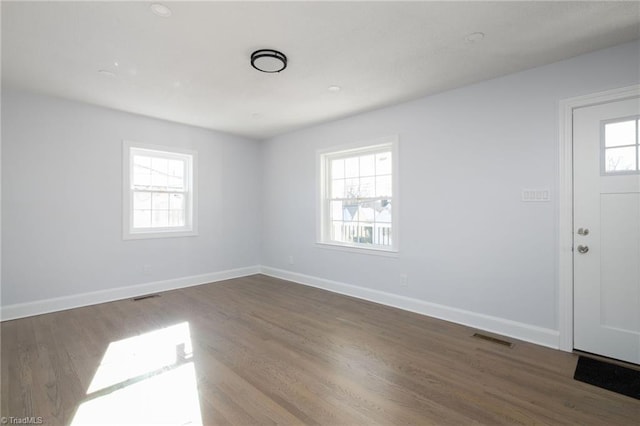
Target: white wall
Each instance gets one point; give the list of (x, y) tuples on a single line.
[(467, 241), (473, 252), (62, 200)]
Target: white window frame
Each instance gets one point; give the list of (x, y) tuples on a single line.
[(604, 148), (191, 178), (323, 231)]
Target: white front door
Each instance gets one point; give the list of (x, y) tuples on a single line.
[(606, 249)]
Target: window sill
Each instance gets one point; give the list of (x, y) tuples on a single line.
[(165, 234), (359, 250)]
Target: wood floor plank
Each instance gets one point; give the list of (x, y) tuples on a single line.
[(267, 351)]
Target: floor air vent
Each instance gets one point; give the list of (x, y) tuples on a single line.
[(148, 296), (493, 340)]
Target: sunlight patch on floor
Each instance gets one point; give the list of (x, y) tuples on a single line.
[(146, 379)]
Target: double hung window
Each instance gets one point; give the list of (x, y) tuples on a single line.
[(358, 200), (159, 192)]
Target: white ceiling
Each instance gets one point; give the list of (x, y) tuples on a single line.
[(193, 67)]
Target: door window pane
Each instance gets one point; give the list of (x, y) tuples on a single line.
[(620, 159), (619, 134)]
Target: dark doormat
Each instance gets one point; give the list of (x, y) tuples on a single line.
[(616, 378)]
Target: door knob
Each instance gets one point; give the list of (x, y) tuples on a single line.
[(583, 249), (583, 231)]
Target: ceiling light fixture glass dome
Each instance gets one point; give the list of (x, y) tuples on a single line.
[(268, 60)]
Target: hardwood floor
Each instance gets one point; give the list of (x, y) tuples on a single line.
[(268, 351)]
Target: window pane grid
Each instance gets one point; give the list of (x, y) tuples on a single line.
[(359, 198), (156, 209), (160, 197), (158, 173), (158, 189), (364, 222), (621, 153), (362, 232)]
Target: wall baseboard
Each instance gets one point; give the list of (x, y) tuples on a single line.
[(46, 306), (517, 330), (530, 333)]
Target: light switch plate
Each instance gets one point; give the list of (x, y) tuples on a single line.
[(536, 195)]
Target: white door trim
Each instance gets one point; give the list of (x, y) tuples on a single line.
[(565, 189)]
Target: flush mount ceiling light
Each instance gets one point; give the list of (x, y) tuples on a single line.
[(161, 10), (268, 60)]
